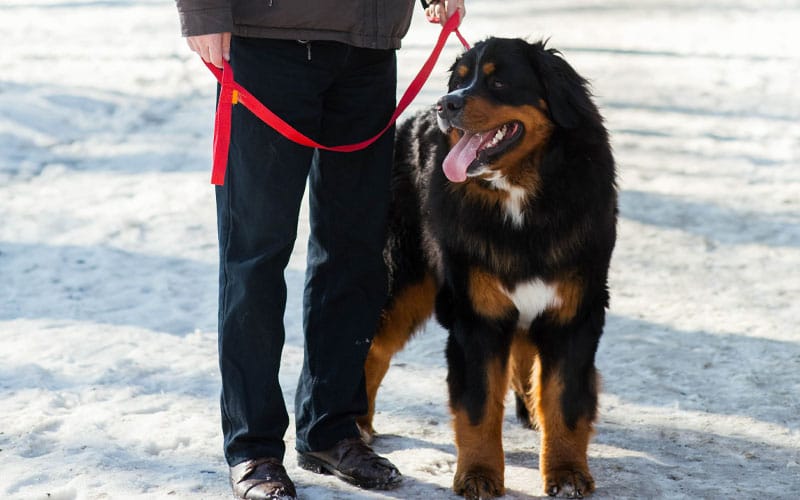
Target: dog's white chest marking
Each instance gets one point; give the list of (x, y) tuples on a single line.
[(532, 298), (515, 203)]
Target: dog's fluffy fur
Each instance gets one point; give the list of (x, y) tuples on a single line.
[(503, 221)]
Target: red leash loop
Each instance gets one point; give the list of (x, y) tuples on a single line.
[(231, 93)]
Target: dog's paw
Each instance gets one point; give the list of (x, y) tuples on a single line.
[(568, 483), (476, 485)]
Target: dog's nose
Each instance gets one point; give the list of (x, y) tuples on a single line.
[(450, 103)]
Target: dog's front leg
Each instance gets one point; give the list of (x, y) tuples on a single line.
[(478, 376), (567, 386), (478, 383)]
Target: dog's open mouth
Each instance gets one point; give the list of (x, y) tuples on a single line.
[(475, 149)]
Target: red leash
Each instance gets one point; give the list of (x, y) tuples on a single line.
[(231, 93)]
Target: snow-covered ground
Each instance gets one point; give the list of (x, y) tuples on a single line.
[(108, 377)]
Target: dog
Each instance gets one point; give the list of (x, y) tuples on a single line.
[(502, 224)]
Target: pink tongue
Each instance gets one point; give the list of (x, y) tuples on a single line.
[(461, 156)]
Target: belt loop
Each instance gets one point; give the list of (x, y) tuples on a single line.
[(307, 43)]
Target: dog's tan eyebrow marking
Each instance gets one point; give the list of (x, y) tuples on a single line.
[(488, 68), (462, 70)]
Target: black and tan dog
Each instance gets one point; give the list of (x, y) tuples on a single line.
[(503, 222)]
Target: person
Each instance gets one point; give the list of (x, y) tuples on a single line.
[(329, 69)]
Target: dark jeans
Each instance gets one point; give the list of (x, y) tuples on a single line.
[(342, 95)]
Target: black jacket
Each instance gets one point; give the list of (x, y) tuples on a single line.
[(377, 24)]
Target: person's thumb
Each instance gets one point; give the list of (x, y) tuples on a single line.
[(452, 6)]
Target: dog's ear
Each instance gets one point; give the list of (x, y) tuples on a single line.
[(566, 92)]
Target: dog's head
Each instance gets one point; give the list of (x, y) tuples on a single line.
[(506, 98)]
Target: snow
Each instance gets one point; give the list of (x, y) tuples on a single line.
[(108, 374)]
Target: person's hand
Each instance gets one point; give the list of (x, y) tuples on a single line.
[(442, 10), (212, 48)]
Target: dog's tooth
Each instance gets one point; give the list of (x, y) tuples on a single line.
[(497, 137)]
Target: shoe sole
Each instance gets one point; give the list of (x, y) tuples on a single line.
[(318, 466)]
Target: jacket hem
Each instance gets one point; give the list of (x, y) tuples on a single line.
[(355, 39)]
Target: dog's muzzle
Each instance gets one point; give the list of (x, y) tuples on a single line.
[(448, 110), (450, 105)]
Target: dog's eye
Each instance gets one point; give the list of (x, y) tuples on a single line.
[(497, 84)]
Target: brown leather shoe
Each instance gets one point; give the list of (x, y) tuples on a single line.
[(263, 479), (351, 460)]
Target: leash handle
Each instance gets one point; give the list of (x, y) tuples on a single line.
[(231, 93)]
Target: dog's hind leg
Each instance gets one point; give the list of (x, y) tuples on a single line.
[(409, 308), (523, 355)]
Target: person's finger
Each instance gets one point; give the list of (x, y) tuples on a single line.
[(430, 14), (462, 11), (200, 46), (203, 51), (212, 48), (226, 46), (190, 41), (215, 51), (441, 12), (450, 7)]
